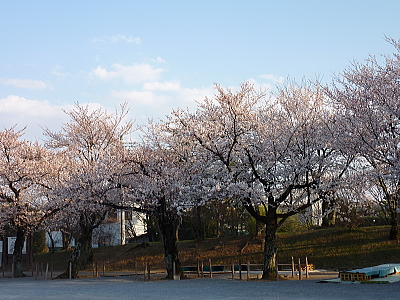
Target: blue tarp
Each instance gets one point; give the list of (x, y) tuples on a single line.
[(379, 271)]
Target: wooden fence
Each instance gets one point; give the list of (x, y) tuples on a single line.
[(208, 269)]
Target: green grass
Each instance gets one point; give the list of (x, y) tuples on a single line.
[(343, 248), (333, 249)]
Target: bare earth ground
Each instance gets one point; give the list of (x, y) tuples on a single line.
[(218, 287)]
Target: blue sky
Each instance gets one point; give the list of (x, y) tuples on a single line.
[(159, 55)]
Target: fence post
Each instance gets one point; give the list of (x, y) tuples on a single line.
[(248, 271), (47, 271), (277, 270), (51, 270), (104, 268), (240, 267), (148, 270), (292, 267), (306, 267), (136, 271), (198, 267), (233, 269), (70, 270), (202, 269), (299, 269), (209, 260), (145, 271)]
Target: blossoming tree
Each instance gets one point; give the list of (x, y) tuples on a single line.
[(367, 98), (270, 153), (163, 179), (26, 170), (92, 144)]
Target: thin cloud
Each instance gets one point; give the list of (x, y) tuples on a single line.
[(26, 83), (162, 86), (60, 74), (158, 59), (136, 97), (117, 38), (130, 74), (273, 78)]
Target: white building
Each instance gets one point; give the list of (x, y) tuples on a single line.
[(119, 227)]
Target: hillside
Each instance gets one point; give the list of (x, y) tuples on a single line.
[(332, 249)]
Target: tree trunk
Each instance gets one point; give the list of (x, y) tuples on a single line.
[(82, 255), (66, 240), (394, 230), (270, 249), (17, 254), (270, 254), (168, 222), (329, 213), (168, 230), (200, 235)]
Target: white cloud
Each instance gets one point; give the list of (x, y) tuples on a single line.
[(36, 115), (117, 38), (162, 97), (104, 74), (189, 97), (140, 98), (26, 83), (273, 78), (16, 110), (162, 86), (16, 105), (60, 74), (158, 59), (130, 74), (263, 86)]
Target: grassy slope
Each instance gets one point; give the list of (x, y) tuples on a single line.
[(325, 248)]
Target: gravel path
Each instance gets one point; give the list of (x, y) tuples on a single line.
[(128, 288)]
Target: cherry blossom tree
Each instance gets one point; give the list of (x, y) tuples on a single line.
[(26, 170), (92, 144), (271, 153), (367, 97), (163, 179)]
